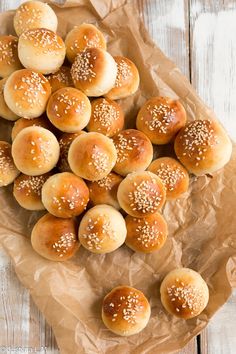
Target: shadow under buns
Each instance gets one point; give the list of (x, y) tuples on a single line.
[(9, 61), (26, 93), (203, 146), (65, 143), (94, 72), (27, 190), (107, 117), (134, 151), (141, 194), (34, 14), (92, 156), (127, 79), (104, 191), (125, 311), (35, 151), (174, 176), (5, 111), (61, 78), (8, 170), (146, 234), (69, 110), (65, 195), (42, 50), (54, 238), (184, 293), (102, 229), (24, 123), (82, 37), (160, 118)]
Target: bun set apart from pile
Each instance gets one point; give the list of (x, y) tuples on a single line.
[(98, 181)]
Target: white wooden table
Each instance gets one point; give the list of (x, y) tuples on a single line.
[(199, 35)]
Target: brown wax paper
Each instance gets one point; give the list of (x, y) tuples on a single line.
[(202, 225)]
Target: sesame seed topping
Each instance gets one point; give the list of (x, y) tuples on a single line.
[(7, 48), (99, 160), (31, 185), (123, 73), (81, 69), (64, 243), (162, 116), (105, 182), (62, 75), (147, 234), (6, 161), (27, 16), (43, 38), (72, 104), (170, 175), (105, 114), (125, 144)]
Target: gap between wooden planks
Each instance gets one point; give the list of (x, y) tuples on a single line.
[(199, 36)]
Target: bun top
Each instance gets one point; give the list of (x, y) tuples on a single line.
[(34, 14), (61, 78), (9, 60)]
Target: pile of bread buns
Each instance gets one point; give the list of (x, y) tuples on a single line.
[(72, 156)]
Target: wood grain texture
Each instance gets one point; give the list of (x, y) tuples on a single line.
[(199, 36)]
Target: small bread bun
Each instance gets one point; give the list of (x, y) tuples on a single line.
[(5, 112), (69, 110), (174, 176), (83, 37), (203, 146), (184, 293), (125, 311), (35, 151), (26, 93), (146, 234), (34, 14), (102, 229), (94, 72), (8, 170), (42, 50), (127, 79), (104, 191), (61, 78), (35, 122), (54, 238), (64, 143), (27, 191), (134, 151), (160, 118), (9, 61), (92, 156), (65, 195), (141, 194), (107, 117)]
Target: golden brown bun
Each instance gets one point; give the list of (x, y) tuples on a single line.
[(184, 293), (82, 37), (94, 72), (174, 176), (64, 143), (134, 151), (92, 156), (42, 50), (35, 151), (8, 170), (9, 61), (61, 78), (102, 229), (141, 194), (24, 123), (69, 110), (160, 118), (5, 112), (127, 79), (104, 191), (125, 311), (65, 195), (107, 117), (34, 14), (27, 191), (146, 234), (54, 238), (203, 147), (26, 93)]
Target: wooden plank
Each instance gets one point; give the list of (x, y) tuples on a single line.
[(213, 67)]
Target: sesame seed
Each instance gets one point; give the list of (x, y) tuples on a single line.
[(7, 49), (31, 185), (123, 73), (81, 69), (105, 114), (64, 243), (124, 143), (44, 38), (105, 182), (147, 234), (162, 115), (170, 175)]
